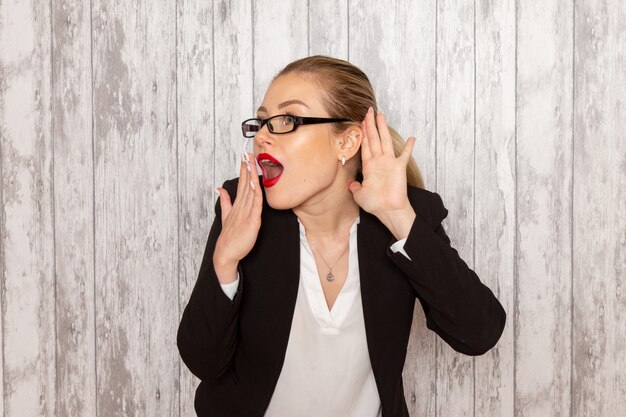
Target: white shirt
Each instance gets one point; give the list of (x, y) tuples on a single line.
[(327, 370)]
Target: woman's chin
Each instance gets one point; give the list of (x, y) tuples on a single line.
[(276, 203), (278, 199)]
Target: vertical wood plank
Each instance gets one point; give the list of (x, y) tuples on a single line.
[(494, 187), (456, 178), (136, 242), (2, 220), (544, 165), (395, 46), (215, 87), (43, 235), (27, 236), (2, 251), (280, 36), (233, 89), (73, 207), (328, 28), (599, 325), (196, 147)]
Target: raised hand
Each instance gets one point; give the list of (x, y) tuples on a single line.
[(241, 222), (383, 190)]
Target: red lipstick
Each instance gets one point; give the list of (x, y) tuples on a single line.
[(271, 168)]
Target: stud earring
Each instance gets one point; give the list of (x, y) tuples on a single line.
[(343, 160), (341, 142)]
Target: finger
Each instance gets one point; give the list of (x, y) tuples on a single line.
[(408, 150), (225, 204), (372, 134), (252, 189), (354, 186), (257, 204), (244, 183), (242, 175), (254, 172), (246, 204), (254, 205), (252, 181), (257, 201), (385, 136), (366, 153)]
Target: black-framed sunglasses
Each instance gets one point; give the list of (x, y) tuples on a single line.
[(282, 123)]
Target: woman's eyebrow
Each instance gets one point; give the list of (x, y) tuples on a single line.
[(285, 104)]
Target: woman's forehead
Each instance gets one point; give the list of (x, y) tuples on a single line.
[(292, 90)]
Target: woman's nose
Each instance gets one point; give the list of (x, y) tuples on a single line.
[(263, 137)]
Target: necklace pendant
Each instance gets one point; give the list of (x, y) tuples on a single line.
[(330, 276)]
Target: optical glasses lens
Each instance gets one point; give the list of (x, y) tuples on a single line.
[(281, 124), (250, 127), (277, 124)]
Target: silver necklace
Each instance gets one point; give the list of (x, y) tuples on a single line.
[(330, 276)]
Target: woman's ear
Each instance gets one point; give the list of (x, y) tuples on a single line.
[(349, 142)]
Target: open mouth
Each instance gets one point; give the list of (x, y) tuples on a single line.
[(271, 169)]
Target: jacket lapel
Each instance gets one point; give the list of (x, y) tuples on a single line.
[(373, 238), (284, 270), (289, 257)]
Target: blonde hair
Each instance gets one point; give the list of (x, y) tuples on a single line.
[(348, 93)]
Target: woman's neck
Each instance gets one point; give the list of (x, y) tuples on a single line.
[(330, 216)]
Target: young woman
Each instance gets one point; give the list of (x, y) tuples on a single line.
[(305, 296)]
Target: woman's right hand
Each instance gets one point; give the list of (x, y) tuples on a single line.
[(241, 222)]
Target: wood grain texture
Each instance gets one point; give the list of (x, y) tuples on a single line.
[(136, 242), (456, 178), (599, 210), (544, 234), (494, 188), (280, 36), (518, 111), (214, 86), (233, 87), (73, 207), (329, 24), (28, 296), (2, 263), (3, 122), (395, 46), (196, 151)]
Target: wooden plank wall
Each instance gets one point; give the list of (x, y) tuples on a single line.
[(117, 119)]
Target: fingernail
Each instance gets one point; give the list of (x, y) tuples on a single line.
[(370, 110), (252, 185), (380, 112), (216, 191), (246, 159)]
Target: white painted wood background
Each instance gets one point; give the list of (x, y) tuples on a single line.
[(118, 118)]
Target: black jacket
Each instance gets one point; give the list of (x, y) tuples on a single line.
[(237, 347)]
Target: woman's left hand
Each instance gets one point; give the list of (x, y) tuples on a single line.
[(383, 191)]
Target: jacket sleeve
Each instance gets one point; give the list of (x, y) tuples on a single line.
[(207, 333), (457, 305)]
